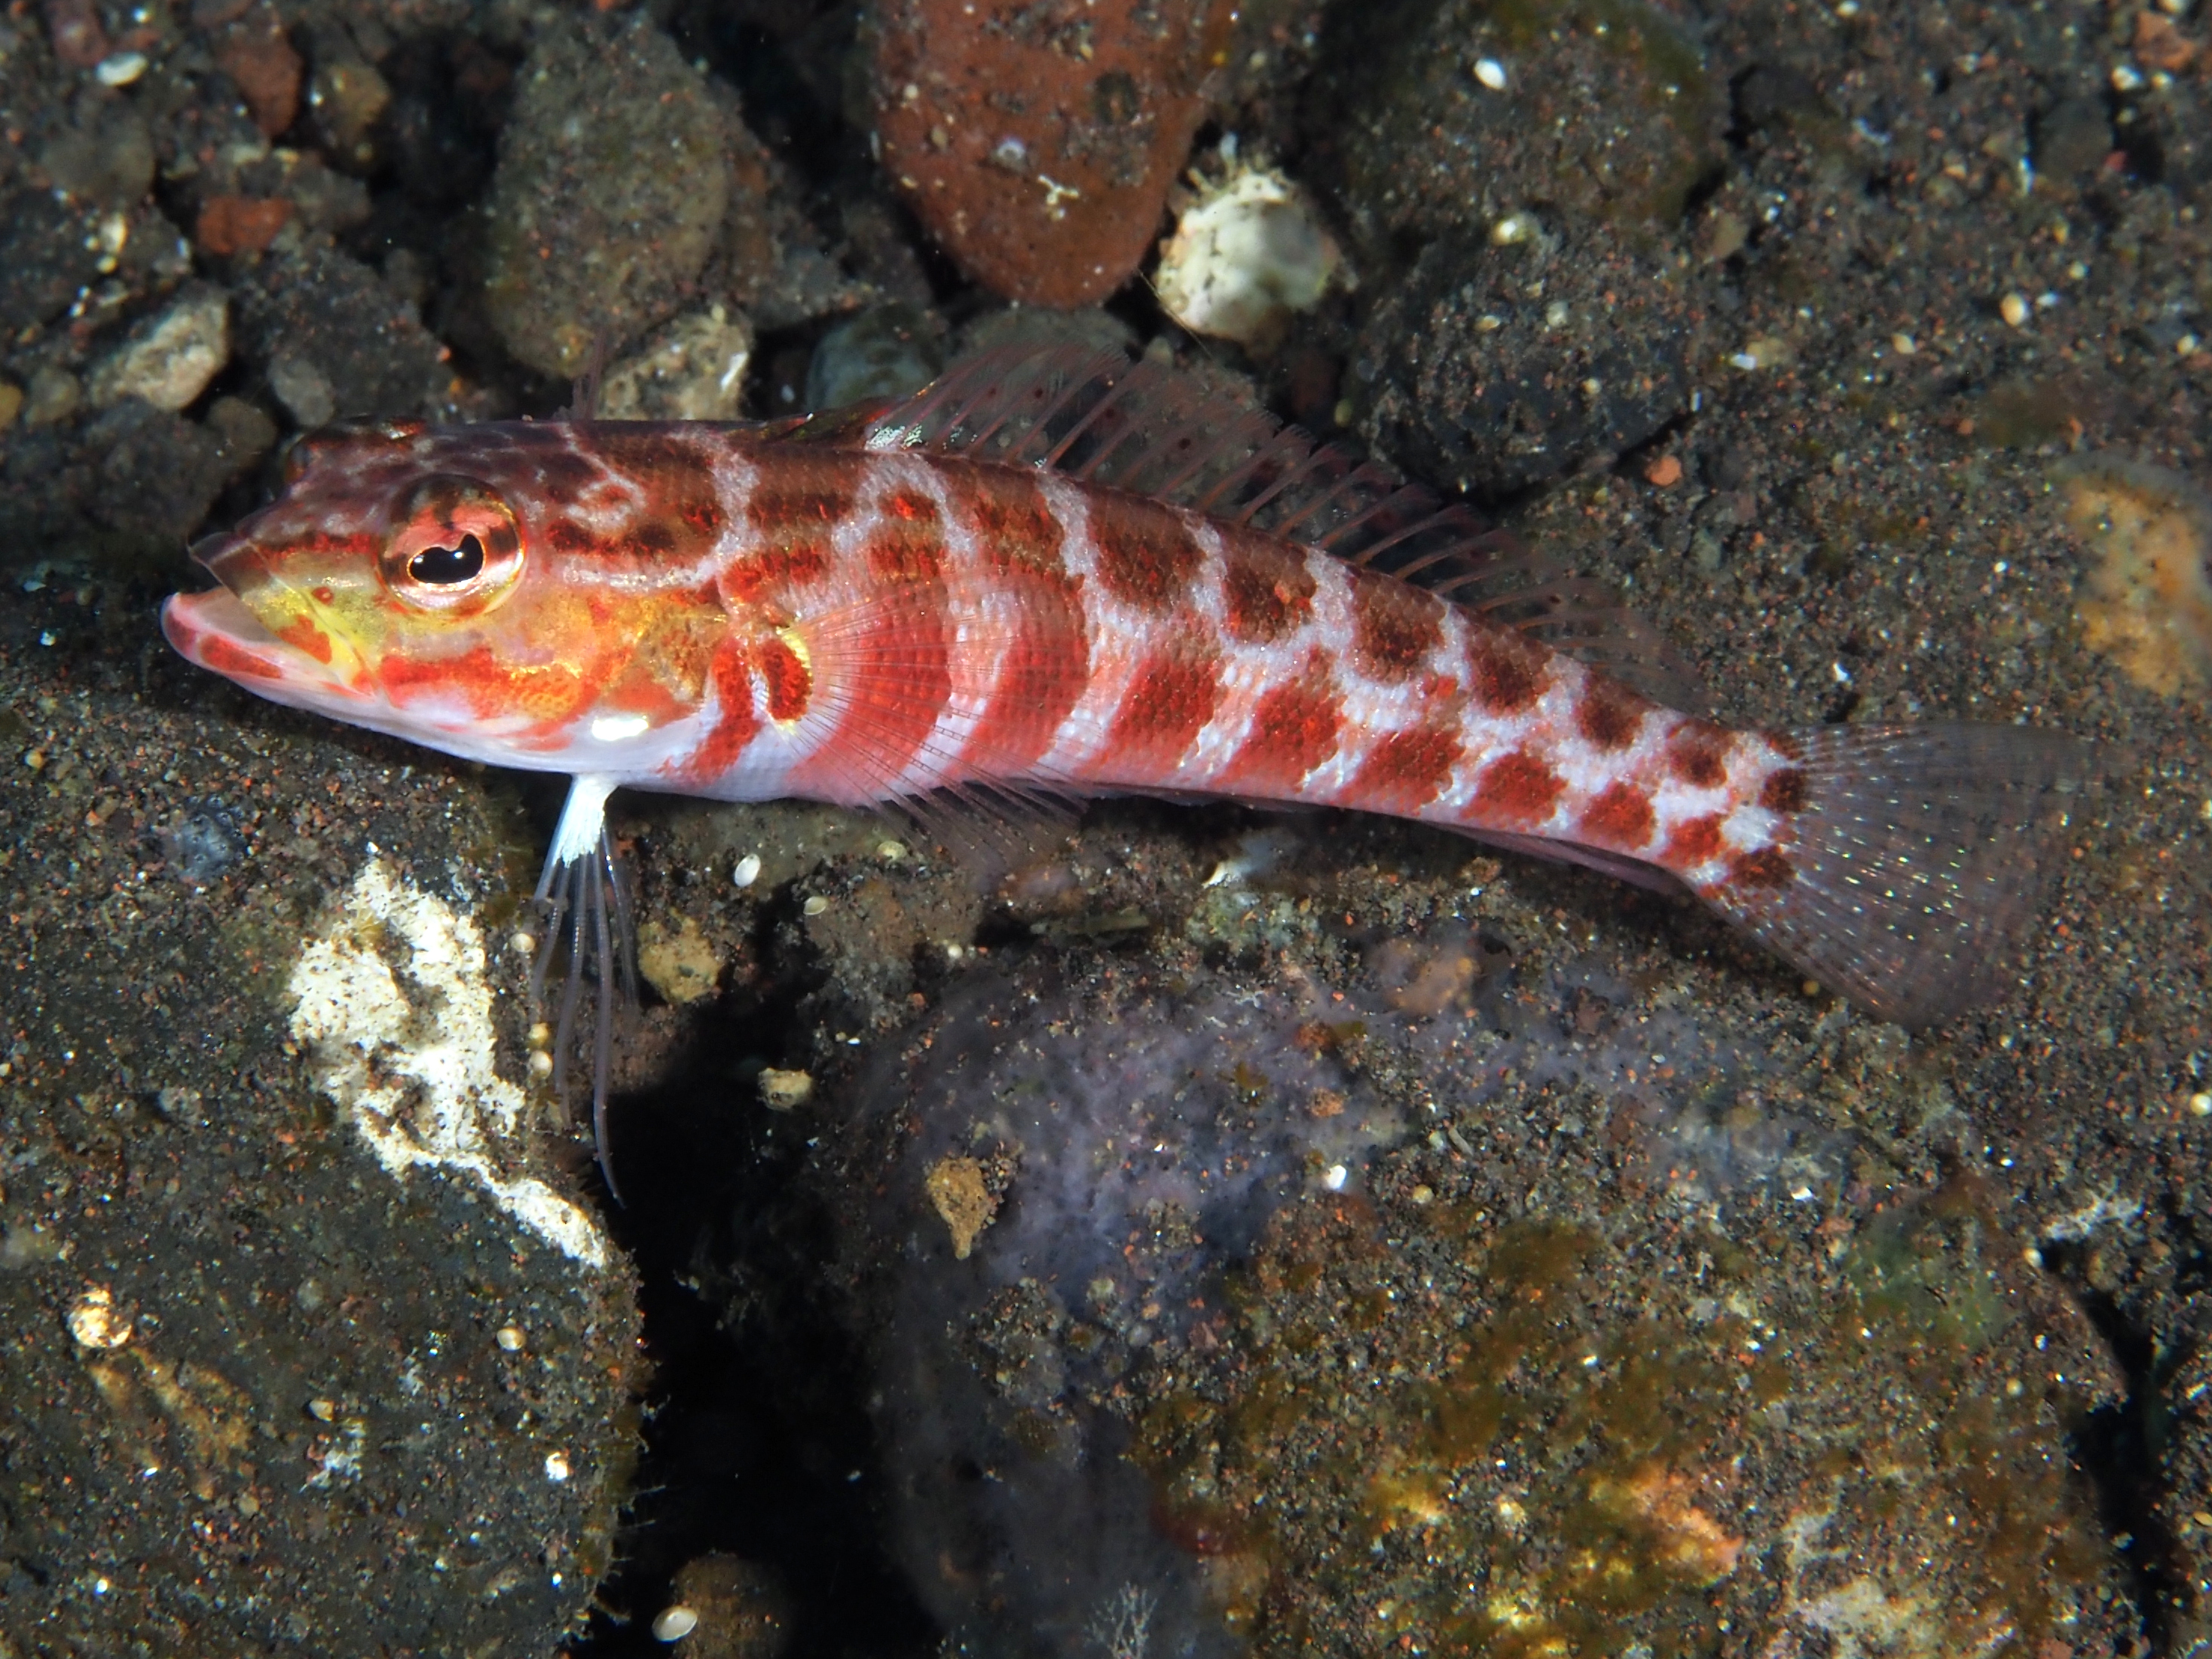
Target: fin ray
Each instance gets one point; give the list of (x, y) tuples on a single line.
[(1920, 858)]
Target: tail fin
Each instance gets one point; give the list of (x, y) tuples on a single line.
[(1921, 856)]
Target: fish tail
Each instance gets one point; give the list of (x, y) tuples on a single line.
[(1919, 857)]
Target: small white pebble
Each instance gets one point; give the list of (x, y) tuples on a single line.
[(540, 1064), (674, 1624), (2014, 309), (1513, 228), (748, 870), (539, 1034), (1334, 1177), (814, 906), (523, 944), (2186, 346), (557, 1467), (509, 1338), (1744, 360), (94, 1321), (2126, 78), (1902, 344), (121, 69), (1491, 73), (890, 852), (2032, 1256), (2201, 1104)]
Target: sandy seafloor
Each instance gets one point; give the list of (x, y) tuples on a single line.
[(1375, 1245)]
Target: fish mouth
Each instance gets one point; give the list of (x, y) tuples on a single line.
[(217, 631)]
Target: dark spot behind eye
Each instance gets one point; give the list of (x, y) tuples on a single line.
[(448, 565)]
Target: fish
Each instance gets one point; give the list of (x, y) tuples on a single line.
[(1054, 575)]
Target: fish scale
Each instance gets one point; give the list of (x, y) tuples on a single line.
[(1071, 575)]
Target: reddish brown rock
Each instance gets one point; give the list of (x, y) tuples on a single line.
[(1037, 138), (240, 224), (255, 54), (73, 25)]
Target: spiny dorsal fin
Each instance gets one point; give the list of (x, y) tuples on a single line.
[(1152, 430)]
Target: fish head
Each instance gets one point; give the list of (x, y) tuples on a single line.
[(480, 590)]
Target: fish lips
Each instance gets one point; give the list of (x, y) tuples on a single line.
[(213, 629)]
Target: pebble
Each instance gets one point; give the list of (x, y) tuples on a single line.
[(121, 69), (673, 1624), (168, 360), (1245, 255), (690, 370), (1039, 154), (2013, 309), (747, 871), (613, 181)]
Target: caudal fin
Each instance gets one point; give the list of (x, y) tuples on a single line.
[(1921, 856)]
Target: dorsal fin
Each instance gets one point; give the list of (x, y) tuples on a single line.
[(1143, 427)]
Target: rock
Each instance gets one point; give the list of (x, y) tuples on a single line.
[(168, 359), (264, 66), (240, 224), (55, 395), (107, 158), (690, 370), (885, 352), (332, 337), (245, 433), (158, 472), (50, 251), (1607, 111), (347, 99), (611, 187), (1037, 142), (1491, 367)]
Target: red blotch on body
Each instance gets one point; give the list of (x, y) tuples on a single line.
[(1516, 792), (1146, 558), (1266, 591), (1170, 697), (1394, 626), (1609, 715), (1016, 532), (1697, 753), (1770, 867), (789, 684), (1784, 791), (1621, 817), (1507, 671), (1295, 728), (793, 522), (1405, 771), (1695, 842)]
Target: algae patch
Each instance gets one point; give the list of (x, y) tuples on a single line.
[(2147, 603)]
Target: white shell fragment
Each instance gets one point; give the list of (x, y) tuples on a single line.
[(673, 1624), (1491, 73), (1244, 256)]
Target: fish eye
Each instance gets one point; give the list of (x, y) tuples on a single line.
[(456, 550), (464, 563)]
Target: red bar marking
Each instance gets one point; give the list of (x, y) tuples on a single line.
[(1294, 729), (1266, 591), (1621, 817), (1171, 696)]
